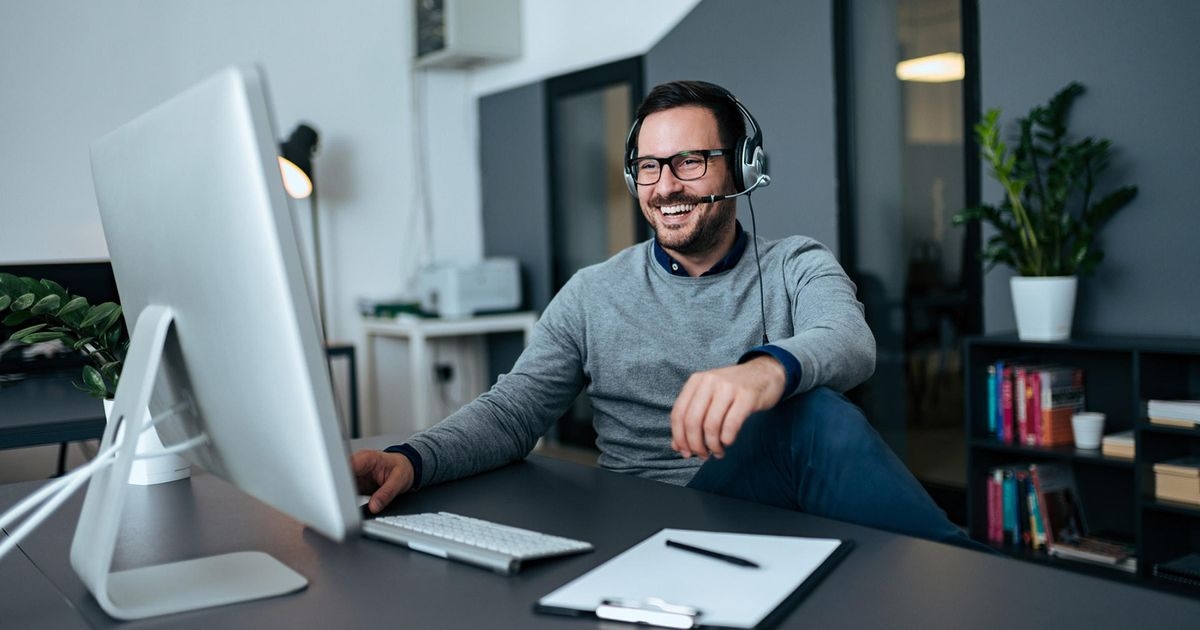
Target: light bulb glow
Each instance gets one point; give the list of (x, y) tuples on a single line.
[(940, 68), (295, 182)]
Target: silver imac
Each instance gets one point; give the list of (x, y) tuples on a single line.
[(225, 348)]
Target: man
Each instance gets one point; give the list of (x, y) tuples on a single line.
[(668, 338)]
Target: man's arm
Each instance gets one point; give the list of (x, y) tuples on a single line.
[(831, 345), (501, 425)]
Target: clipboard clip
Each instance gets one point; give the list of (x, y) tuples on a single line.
[(651, 610)]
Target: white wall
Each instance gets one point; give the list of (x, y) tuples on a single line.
[(72, 71)]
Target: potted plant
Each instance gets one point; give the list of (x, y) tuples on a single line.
[(49, 313), (1047, 223)]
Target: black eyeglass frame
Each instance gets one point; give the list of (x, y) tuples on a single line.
[(669, 163)]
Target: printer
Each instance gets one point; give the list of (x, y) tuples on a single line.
[(456, 291)]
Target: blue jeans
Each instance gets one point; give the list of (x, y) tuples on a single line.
[(816, 453)]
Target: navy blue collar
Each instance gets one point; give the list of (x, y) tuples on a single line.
[(725, 264)]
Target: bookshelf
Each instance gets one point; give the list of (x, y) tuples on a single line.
[(1117, 494)]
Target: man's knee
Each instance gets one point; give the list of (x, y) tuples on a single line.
[(827, 418)]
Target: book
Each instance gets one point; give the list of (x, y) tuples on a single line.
[(1184, 570), (992, 398), (1174, 409), (1118, 444), (1062, 517), (1174, 422), (995, 495), (1057, 393), (1116, 554)]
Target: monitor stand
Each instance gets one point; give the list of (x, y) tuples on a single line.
[(175, 586)]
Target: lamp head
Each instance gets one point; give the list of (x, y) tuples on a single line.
[(295, 161)]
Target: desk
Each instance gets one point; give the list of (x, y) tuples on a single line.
[(47, 408), (418, 331), (887, 581)]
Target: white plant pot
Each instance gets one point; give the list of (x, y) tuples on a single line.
[(1044, 306), (152, 470)]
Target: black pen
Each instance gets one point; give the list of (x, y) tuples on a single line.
[(741, 562)]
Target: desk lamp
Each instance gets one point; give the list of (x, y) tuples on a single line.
[(295, 162)]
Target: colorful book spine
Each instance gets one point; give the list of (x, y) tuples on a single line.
[(1020, 406), (995, 495), (1009, 500), (1033, 411), (992, 400), (1036, 523), (1006, 405)]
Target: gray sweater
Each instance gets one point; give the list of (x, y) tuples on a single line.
[(631, 334)]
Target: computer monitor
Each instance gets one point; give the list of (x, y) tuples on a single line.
[(224, 343)]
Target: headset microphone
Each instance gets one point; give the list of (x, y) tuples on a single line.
[(762, 181)]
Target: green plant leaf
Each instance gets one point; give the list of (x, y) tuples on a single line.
[(54, 287), (94, 381), (72, 306), (80, 343), (23, 302), (4, 301), (98, 313), (43, 336), (16, 318), (25, 332), (46, 304)]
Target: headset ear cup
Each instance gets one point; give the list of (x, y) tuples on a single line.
[(630, 183), (755, 166)]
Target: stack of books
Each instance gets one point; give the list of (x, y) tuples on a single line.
[(1174, 413), (1118, 445), (1178, 479)]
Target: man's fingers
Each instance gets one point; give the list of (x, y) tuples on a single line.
[(679, 442), (734, 419), (715, 419), (693, 419)]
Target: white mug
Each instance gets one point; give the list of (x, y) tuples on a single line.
[(1088, 427)]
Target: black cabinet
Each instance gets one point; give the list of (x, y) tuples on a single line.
[(1117, 495)]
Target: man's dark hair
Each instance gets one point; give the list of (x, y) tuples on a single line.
[(714, 98)]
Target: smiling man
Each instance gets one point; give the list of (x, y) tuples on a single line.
[(670, 340)]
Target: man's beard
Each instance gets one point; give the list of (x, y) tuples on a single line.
[(708, 230)]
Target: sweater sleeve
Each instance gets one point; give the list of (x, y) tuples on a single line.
[(830, 340), (503, 424)]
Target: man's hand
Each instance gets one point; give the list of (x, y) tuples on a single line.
[(712, 406), (382, 475)]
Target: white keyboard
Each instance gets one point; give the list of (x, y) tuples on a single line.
[(500, 548)]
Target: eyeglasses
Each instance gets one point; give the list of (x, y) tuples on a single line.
[(685, 166)]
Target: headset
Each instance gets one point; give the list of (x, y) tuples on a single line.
[(750, 170)]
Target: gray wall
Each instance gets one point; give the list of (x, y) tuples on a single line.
[(1138, 61), (516, 200), (778, 59), (782, 70)]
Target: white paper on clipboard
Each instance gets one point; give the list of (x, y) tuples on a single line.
[(721, 593)]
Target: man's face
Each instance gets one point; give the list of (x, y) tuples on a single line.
[(681, 223)]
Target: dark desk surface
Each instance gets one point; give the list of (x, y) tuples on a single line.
[(887, 581), (47, 408)]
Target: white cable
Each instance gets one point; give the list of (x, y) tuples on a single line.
[(65, 487), (188, 445)]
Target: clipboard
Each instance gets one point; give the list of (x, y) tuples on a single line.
[(661, 585)]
